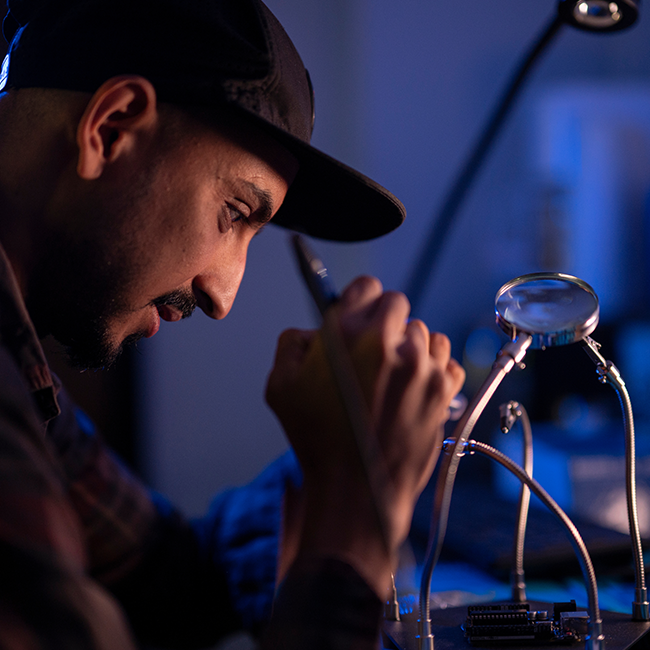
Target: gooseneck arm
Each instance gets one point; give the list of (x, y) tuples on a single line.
[(509, 356)]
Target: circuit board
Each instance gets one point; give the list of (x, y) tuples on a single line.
[(621, 632)]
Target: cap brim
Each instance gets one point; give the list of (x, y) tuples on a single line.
[(330, 200)]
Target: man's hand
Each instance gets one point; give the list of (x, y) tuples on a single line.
[(407, 380)]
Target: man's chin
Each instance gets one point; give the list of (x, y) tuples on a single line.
[(97, 355)]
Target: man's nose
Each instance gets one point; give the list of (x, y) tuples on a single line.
[(216, 287)]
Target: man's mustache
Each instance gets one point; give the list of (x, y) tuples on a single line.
[(181, 299)]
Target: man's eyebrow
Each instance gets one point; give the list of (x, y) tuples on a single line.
[(264, 211)]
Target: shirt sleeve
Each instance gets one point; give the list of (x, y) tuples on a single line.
[(188, 583), (242, 531), (180, 582), (46, 598), (323, 604)]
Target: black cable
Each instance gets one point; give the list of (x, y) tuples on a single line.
[(430, 253)]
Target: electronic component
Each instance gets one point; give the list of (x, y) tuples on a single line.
[(516, 623)]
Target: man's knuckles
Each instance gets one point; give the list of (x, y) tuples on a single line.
[(391, 309), (440, 347), (457, 374), (360, 292)]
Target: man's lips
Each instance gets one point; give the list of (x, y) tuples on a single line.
[(162, 312), (168, 313), (154, 326)]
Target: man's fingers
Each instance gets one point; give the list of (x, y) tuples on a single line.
[(390, 313), (448, 383), (292, 348), (294, 341), (440, 348), (457, 374), (416, 340), (360, 293), (366, 309), (449, 376)]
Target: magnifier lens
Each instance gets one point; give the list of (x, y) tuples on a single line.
[(554, 308)]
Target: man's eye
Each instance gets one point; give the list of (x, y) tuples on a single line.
[(235, 214)]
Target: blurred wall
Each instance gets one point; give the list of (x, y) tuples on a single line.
[(402, 90)]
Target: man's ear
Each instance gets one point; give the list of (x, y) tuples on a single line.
[(119, 109)]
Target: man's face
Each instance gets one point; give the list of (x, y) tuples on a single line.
[(161, 232)]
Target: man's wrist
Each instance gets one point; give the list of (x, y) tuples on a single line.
[(349, 528)]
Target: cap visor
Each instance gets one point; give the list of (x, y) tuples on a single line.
[(330, 200)]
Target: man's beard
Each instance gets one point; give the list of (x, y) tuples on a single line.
[(85, 336), (80, 318), (92, 347)]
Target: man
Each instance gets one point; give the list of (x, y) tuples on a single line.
[(142, 146)]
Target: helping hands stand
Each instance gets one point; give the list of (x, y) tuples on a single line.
[(537, 310)]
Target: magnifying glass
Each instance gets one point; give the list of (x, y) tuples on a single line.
[(553, 308)]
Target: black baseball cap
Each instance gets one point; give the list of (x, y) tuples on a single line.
[(226, 54)]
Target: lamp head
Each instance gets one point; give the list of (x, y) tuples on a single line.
[(599, 15)]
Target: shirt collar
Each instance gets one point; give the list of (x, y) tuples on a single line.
[(18, 335)]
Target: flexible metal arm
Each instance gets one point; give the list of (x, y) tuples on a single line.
[(510, 414), (510, 355), (595, 638), (608, 374)]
